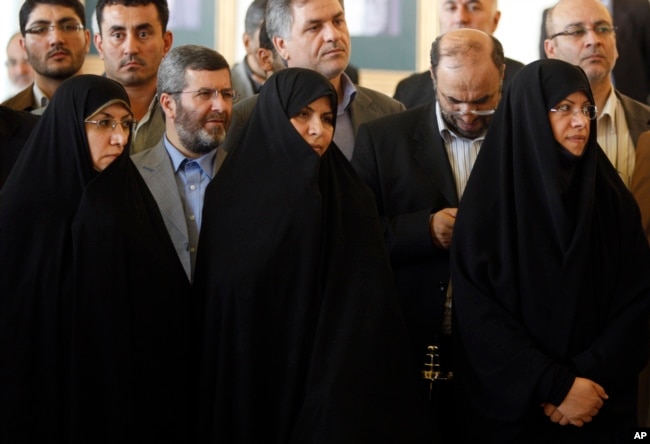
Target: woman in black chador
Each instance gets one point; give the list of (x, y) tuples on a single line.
[(303, 340), (94, 311), (550, 271)]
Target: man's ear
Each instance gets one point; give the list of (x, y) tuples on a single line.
[(265, 59), (549, 49), (99, 44), (168, 105), (281, 46)]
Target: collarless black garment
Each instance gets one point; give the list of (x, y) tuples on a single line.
[(550, 272), (61, 251), (15, 127), (131, 362), (303, 340)]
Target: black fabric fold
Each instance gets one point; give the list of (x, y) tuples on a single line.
[(303, 340)]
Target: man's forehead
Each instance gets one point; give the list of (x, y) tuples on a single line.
[(43, 12), (572, 12), (317, 9), (144, 14)]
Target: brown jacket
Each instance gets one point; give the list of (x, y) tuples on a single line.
[(23, 101), (641, 179)]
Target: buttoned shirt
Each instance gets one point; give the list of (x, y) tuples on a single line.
[(192, 177), (344, 134), (462, 152)]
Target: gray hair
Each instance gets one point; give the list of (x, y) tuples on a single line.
[(171, 73), (279, 17)]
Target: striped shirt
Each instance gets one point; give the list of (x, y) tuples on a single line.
[(614, 138), (461, 152)]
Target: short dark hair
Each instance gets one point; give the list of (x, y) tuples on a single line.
[(29, 5), (497, 53), (265, 41), (254, 16), (161, 7), (171, 73)]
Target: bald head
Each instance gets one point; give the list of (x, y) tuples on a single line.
[(462, 47), (581, 32), (483, 15), (20, 72), (467, 68)]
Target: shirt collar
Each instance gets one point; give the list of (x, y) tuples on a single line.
[(206, 162), (349, 93), (40, 99), (150, 112), (609, 109)]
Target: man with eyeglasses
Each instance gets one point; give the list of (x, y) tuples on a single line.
[(581, 32), (313, 34), (631, 75), (196, 95), (132, 40), (56, 43), (19, 71), (417, 163)]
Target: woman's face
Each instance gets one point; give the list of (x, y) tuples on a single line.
[(108, 132), (315, 123), (570, 122)]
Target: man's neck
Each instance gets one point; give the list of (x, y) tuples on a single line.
[(601, 91), (338, 86), (47, 85), (258, 75), (140, 97)]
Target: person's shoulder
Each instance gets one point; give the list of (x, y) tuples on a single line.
[(366, 96), (22, 101), (414, 79), (415, 89), (16, 123), (513, 64), (147, 156), (403, 120), (633, 106), (18, 116), (245, 105)]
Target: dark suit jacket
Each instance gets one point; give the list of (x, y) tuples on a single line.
[(417, 89), (15, 127), (22, 101), (403, 160), (632, 70)]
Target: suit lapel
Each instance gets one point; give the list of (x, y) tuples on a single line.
[(158, 173), (430, 153)]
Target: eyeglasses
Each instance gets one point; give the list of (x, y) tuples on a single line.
[(206, 94), (472, 112), (590, 111), (106, 124), (13, 62), (580, 31), (64, 28)]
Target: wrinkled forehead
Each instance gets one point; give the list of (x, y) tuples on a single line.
[(580, 13), (469, 80)]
